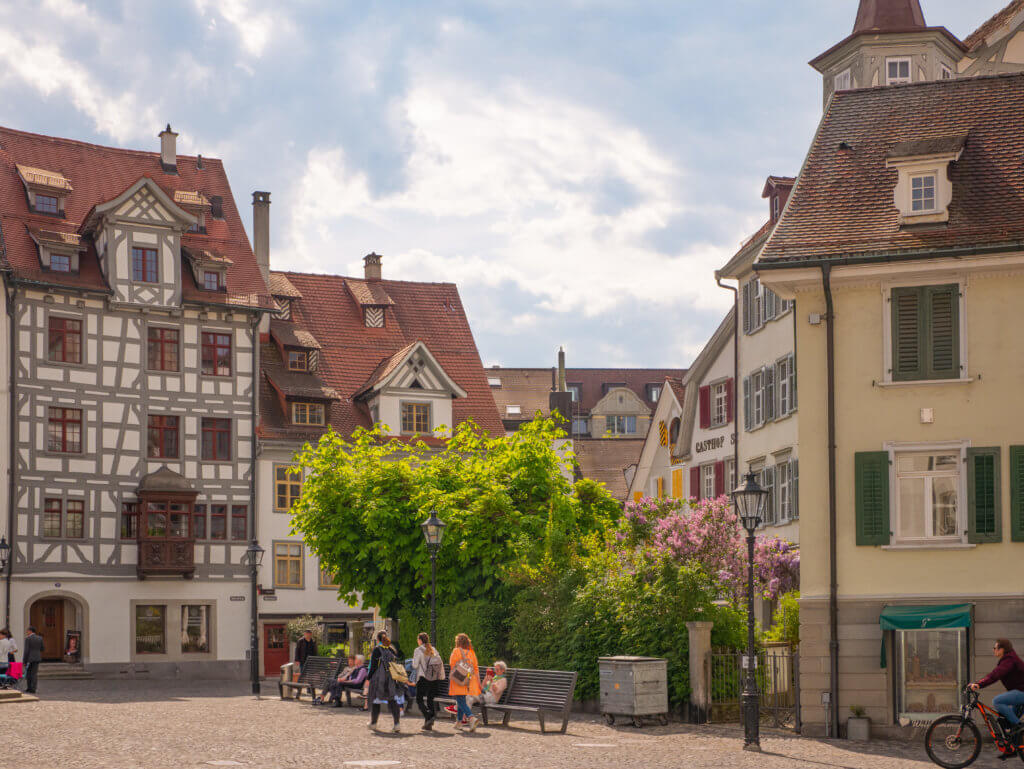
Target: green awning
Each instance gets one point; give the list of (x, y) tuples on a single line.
[(923, 618)]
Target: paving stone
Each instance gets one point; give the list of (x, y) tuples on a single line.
[(180, 724)]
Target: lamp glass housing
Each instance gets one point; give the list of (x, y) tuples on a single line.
[(749, 500), (253, 555), (433, 530)]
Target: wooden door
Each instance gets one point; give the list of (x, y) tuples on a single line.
[(48, 617), (275, 649)]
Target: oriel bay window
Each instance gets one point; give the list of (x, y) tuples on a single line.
[(216, 439), (925, 328), (162, 349), (65, 340), (64, 430), (415, 418), (216, 354), (165, 536), (163, 437)]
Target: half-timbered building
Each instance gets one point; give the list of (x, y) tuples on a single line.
[(132, 302)]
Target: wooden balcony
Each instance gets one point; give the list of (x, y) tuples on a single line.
[(165, 534)]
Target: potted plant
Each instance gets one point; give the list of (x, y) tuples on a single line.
[(858, 725)]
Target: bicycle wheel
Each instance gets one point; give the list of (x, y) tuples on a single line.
[(953, 742)]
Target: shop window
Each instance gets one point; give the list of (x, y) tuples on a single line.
[(931, 672), (195, 629), (150, 629)]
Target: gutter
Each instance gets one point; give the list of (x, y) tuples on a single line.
[(891, 257), (735, 374), (833, 588), (12, 436)]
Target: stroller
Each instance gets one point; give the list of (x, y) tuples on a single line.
[(10, 674)]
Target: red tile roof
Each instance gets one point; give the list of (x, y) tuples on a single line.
[(885, 15), (351, 353), (529, 387), (977, 38), (677, 388), (99, 174), (604, 459), (843, 202)]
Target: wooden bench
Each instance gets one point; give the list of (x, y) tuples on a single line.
[(536, 691), (448, 699), (315, 672)]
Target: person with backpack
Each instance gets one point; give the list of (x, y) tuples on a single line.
[(387, 682), (428, 672), (464, 681)]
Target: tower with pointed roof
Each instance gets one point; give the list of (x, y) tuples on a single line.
[(890, 44)]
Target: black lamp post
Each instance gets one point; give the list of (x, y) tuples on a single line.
[(5, 556), (749, 500), (433, 533), (252, 558)]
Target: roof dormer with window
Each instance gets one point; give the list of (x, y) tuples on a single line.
[(197, 204), (47, 191), (923, 189), (58, 251)]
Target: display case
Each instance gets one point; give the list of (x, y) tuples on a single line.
[(931, 672)]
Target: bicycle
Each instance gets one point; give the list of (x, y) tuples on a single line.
[(954, 742)]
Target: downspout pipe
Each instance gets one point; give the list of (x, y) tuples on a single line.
[(735, 375), (833, 587), (12, 437), (254, 589)]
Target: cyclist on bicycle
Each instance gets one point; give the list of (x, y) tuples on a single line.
[(1010, 671)]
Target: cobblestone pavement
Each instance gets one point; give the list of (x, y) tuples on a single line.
[(154, 724)]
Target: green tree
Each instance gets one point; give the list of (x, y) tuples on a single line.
[(507, 501)]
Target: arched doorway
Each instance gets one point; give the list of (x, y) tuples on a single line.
[(61, 620)]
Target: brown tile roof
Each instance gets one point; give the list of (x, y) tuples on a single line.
[(290, 335), (369, 293), (206, 257), (936, 145), (977, 38), (299, 384), (843, 201), (100, 174), (886, 15), (386, 366), (604, 459), (281, 286), (529, 387), (351, 353), (677, 388)]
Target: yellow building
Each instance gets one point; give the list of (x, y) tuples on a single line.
[(903, 247)]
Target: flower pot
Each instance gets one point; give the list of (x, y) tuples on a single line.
[(858, 729)]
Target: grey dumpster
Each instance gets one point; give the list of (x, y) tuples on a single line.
[(636, 687)]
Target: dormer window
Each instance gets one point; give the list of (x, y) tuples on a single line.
[(922, 193), (307, 413), (776, 208), (60, 262), (46, 204), (144, 265), (212, 280), (298, 360), (197, 204), (373, 317), (843, 81), (897, 71)]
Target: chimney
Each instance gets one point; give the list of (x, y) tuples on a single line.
[(371, 266), (169, 150), (261, 232), (562, 386), (560, 401)]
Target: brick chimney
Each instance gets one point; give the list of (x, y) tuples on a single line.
[(261, 232), (371, 266), (560, 399), (169, 150)]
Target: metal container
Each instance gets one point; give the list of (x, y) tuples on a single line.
[(636, 687)]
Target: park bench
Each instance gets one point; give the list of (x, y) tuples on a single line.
[(315, 672), (448, 699), (536, 691)]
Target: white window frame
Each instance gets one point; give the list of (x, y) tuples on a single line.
[(785, 379), (720, 403), (575, 391), (707, 481), (493, 381), (757, 393), (776, 208), (611, 424), (843, 81), (899, 60), (730, 474), (512, 410), (945, 72), (935, 279), (784, 491), (940, 447), (923, 177)]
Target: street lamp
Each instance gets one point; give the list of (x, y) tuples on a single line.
[(252, 558), (749, 500), (433, 533), (5, 557), (5, 552)]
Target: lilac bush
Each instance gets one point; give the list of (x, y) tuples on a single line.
[(708, 533)]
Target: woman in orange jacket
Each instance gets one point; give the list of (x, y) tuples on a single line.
[(463, 653)]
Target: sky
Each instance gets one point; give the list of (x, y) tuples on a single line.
[(578, 167)]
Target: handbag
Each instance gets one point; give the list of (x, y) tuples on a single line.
[(397, 671), (462, 671)]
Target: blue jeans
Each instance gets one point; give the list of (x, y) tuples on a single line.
[(462, 710), (1007, 702)]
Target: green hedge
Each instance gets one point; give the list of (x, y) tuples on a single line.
[(485, 623)]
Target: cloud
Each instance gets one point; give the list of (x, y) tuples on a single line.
[(554, 197), (255, 28)]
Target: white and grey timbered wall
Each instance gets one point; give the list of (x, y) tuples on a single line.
[(110, 383)]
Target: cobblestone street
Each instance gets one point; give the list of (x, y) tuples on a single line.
[(153, 725)]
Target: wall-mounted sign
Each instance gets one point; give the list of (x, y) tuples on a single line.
[(237, 598), (711, 444)]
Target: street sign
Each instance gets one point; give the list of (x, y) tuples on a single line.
[(237, 598)]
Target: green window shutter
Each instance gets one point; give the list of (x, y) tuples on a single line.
[(871, 473), (942, 310), (908, 330), (1017, 493), (984, 511)]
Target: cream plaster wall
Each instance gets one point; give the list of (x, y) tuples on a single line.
[(721, 369), (390, 403), (984, 411), (655, 459)]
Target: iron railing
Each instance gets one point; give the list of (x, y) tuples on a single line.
[(778, 681)]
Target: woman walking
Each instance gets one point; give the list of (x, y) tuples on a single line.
[(428, 669), (465, 681), (384, 689)]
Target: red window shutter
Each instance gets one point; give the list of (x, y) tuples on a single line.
[(719, 478), (705, 408), (695, 483), (730, 399)]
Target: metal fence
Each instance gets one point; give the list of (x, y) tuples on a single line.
[(778, 681)]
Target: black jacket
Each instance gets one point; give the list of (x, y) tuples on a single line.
[(33, 649), (304, 649)]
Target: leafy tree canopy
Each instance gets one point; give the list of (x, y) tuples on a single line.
[(508, 502)]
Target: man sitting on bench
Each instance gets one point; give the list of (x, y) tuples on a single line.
[(354, 680)]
